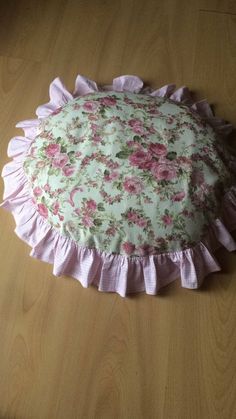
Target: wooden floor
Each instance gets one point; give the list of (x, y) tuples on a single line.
[(72, 353)]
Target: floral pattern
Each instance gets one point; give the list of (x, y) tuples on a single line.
[(127, 173)]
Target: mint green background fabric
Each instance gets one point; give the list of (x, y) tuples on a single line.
[(127, 173)]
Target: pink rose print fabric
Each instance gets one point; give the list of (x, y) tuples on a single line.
[(127, 173)]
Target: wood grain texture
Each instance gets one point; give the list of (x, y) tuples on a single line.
[(74, 353)]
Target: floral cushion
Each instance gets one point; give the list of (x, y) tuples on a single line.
[(123, 187), (127, 173)]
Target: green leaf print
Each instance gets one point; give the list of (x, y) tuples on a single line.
[(171, 155), (123, 154), (137, 138), (100, 207), (92, 230), (118, 186), (97, 222), (50, 171)]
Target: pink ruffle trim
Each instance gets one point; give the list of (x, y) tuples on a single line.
[(112, 272)]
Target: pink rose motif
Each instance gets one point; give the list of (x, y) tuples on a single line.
[(139, 158), (68, 170), (87, 221), (37, 191), (72, 194), (91, 204), (97, 138), (111, 176), (114, 175), (92, 117), (135, 122), (60, 160), (132, 143), (146, 165), (132, 216), (76, 106), (113, 165), (137, 126), (163, 171), (139, 130), (111, 231), (108, 101), (187, 213), (94, 127), (183, 160), (52, 149), (41, 163), (158, 149), (154, 111), (145, 249), (170, 120), (55, 208), (90, 106), (197, 177), (178, 196), (42, 209), (152, 130), (133, 185), (142, 223), (167, 220), (46, 187), (128, 247)]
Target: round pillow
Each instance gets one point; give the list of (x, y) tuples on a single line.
[(122, 186)]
